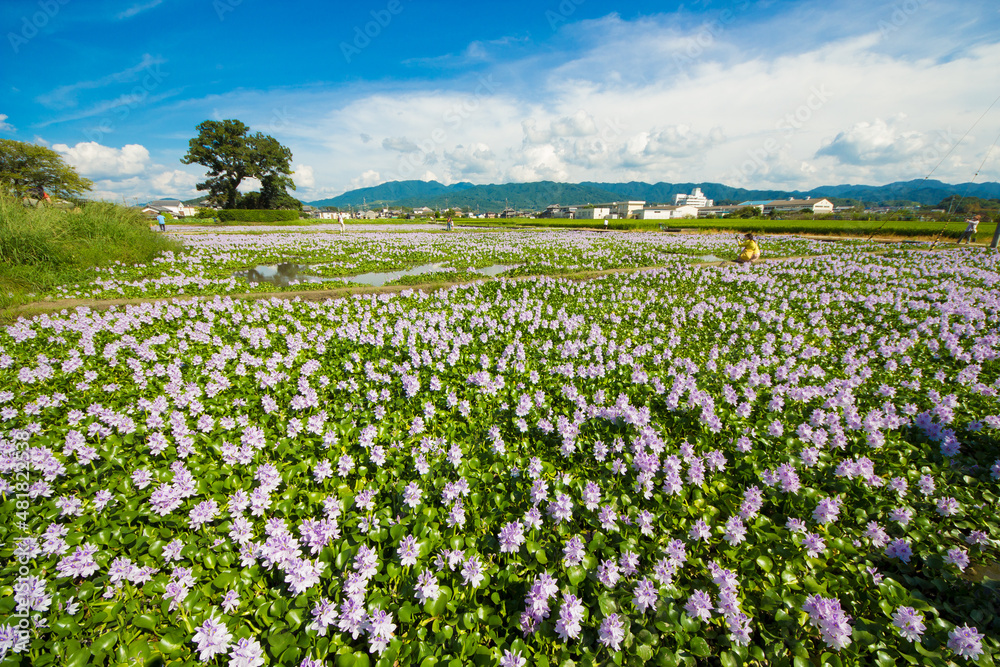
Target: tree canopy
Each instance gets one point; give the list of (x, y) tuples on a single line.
[(26, 167), (232, 154)]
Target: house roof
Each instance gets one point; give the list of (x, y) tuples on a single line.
[(797, 202)]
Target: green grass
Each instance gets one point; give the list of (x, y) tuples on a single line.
[(864, 228), (44, 247)]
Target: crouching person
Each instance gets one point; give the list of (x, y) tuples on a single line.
[(750, 251)]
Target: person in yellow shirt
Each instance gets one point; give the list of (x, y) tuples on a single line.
[(750, 251)]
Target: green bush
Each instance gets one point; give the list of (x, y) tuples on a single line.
[(257, 215), (45, 246)]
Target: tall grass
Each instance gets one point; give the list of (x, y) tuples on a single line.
[(48, 246)]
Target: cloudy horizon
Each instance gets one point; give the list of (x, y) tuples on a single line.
[(777, 95)]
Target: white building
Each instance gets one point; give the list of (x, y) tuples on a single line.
[(625, 209), (666, 212), (596, 212), (174, 207), (791, 205), (696, 198)]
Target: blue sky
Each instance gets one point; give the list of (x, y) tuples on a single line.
[(748, 93)]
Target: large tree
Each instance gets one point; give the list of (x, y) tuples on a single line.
[(24, 168), (232, 154)]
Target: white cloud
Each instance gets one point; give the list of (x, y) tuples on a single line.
[(93, 160), (366, 180), (874, 143), (303, 176), (66, 96), (138, 9), (174, 182), (666, 98), (4, 125)]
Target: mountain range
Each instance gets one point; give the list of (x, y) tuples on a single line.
[(538, 195)]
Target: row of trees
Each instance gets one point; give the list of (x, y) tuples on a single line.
[(231, 154)]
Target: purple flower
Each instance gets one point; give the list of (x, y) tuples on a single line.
[(900, 549), (511, 537), (814, 544), (408, 550), (699, 605), (607, 573), (80, 563), (412, 494), (735, 532), (213, 638), (427, 589), (203, 512), (512, 659), (909, 622), (901, 515), (562, 508), (570, 615), (30, 594), (573, 552), (827, 510), (776, 429), (608, 518), (947, 506), (700, 531), (966, 642), (612, 632), (246, 653), (472, 572), (380, 630), (957, 557), (645, 596), (231, 602), (834, 625)]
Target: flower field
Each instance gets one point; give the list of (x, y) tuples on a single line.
[(208, 266), (792, 463)]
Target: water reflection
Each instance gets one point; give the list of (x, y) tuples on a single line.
[(281, 275), (287, 273)]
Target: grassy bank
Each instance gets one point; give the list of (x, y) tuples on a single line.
[(47, 246), (914, 228)]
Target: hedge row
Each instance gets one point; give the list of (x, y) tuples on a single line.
[(256, 215)]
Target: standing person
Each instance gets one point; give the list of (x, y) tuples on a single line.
[(971, 227), (750, 250), (340, 218), (161, 221), (448, 226), (605, 224)]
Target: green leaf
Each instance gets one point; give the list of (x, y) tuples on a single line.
[(764, 563), (700, 647)]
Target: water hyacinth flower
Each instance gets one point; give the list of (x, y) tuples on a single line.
[(612, 632), (826, 614), (899, 548), (699, 605), (909, 622), (570, 615), (958, 557), (511, 537), (512, 659), (408, 550), (247, 653), (645, 596), (213, 638), (427, 589), (966, 642)]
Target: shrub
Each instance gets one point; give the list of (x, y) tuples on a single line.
[(256, 215)]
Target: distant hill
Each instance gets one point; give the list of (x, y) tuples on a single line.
[(392, 192), (538, 195)]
